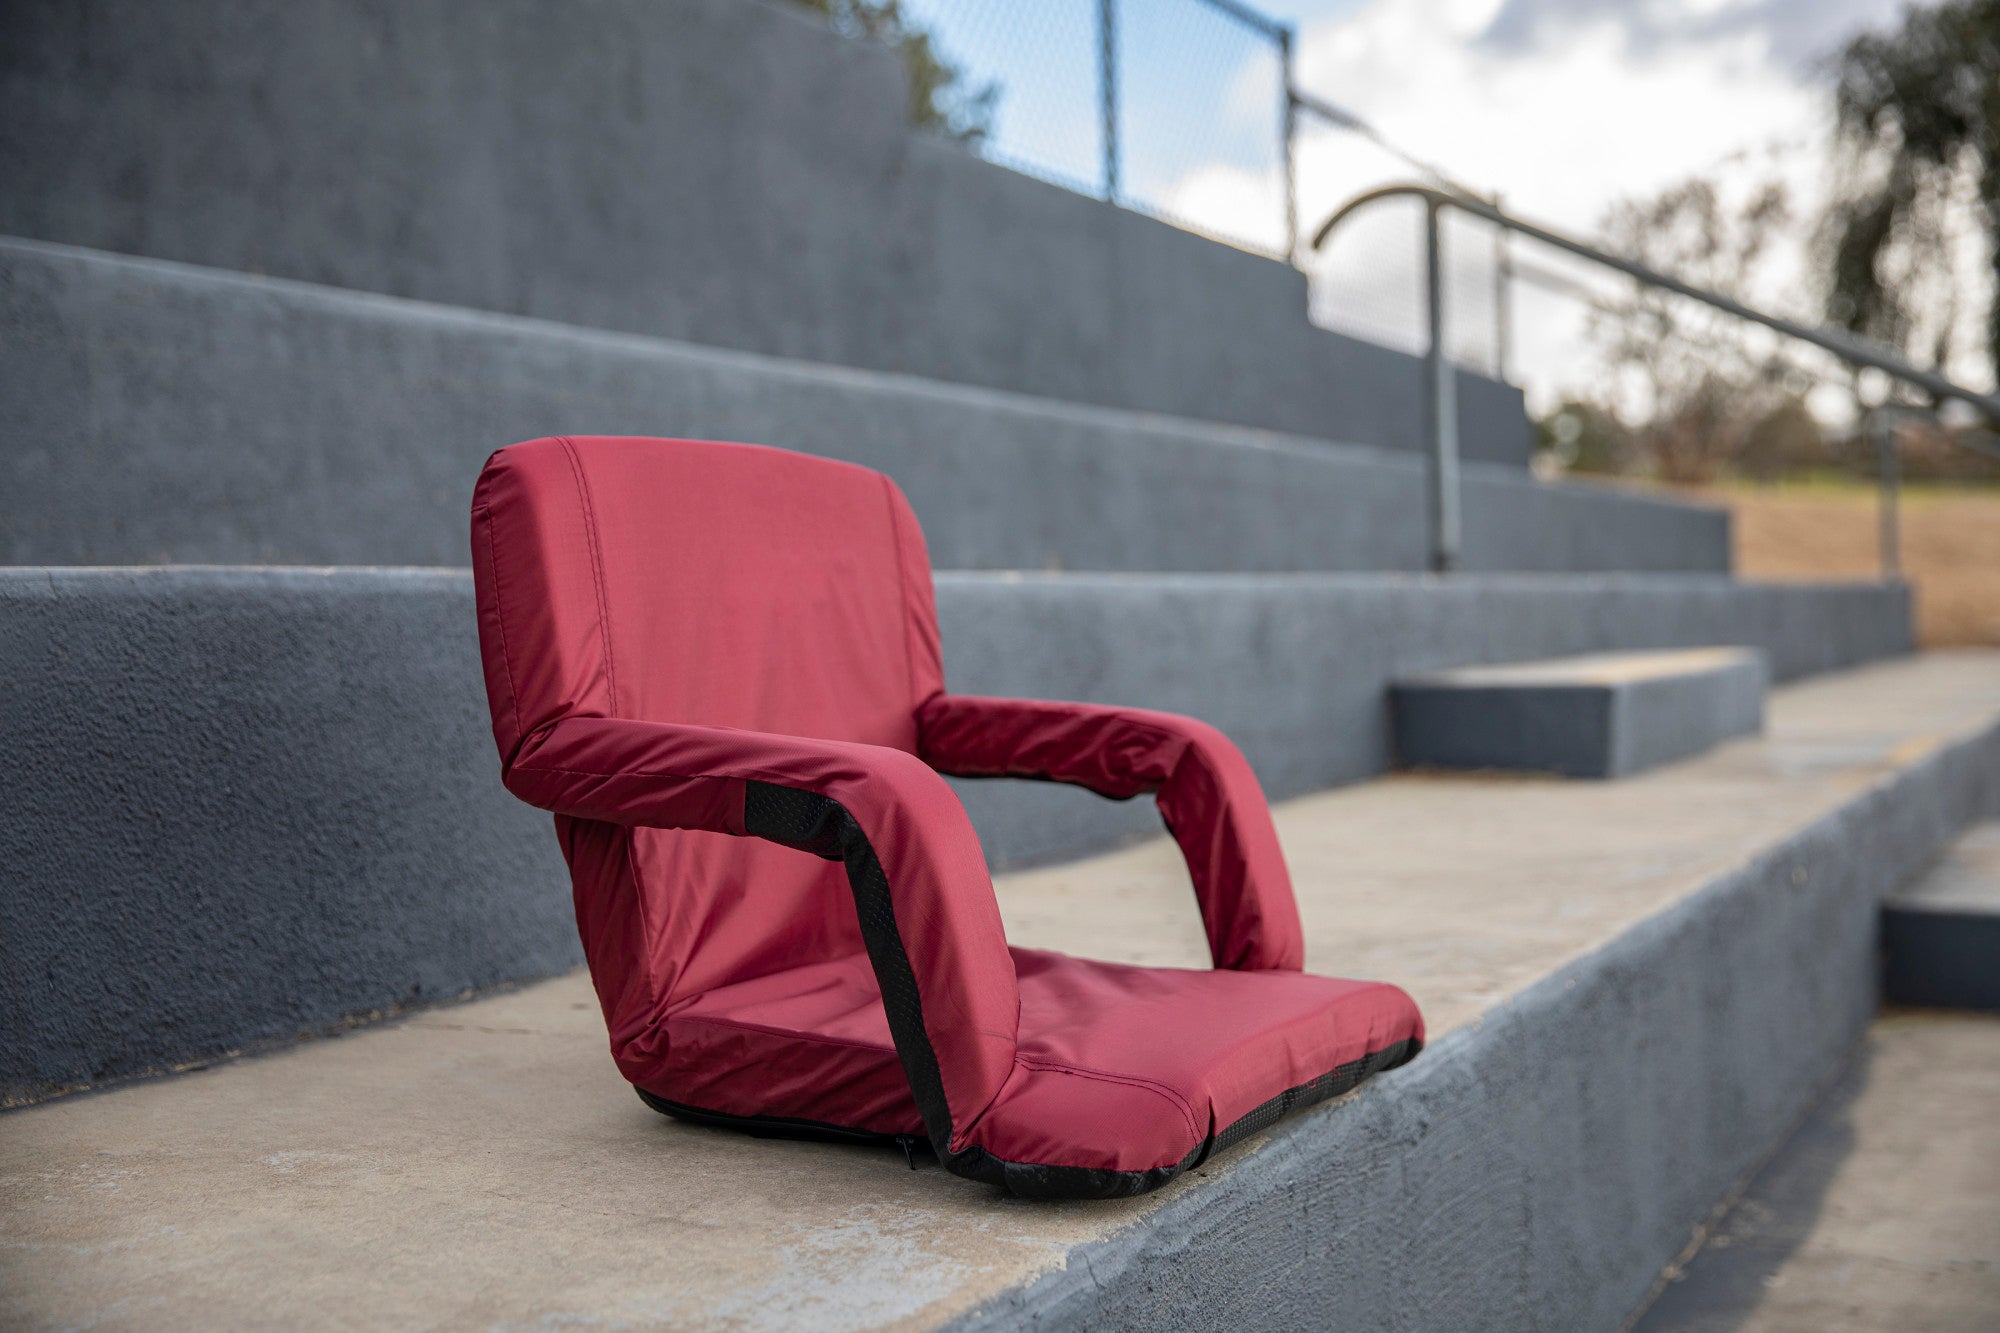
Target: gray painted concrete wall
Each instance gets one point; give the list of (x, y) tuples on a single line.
[(721, 171), (241, 805), (1587, 716), (157, 412), (1538, 1170), (244, 804)]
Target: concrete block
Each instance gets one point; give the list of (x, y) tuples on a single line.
[(1600, 715), (1881, 1212), (160, 413), (1941, 934)]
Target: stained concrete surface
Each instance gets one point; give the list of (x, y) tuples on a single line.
[(1882, 1212), (483, 1165)]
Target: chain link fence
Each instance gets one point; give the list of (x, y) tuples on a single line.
[(1175, 108), (1202, 129), (1039, 65), (1190, 111), (1186, 110)]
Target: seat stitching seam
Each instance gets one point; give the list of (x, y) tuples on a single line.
[(1173, 1097), (775, 780), (741, 1026), (500, 617), (596, 568), (645, 917), (1146, 729), (903, 589)]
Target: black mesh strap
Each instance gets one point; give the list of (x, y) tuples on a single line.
[(802, 820), (809, 822)]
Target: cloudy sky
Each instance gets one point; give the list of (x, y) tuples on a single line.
[(1562, 105)]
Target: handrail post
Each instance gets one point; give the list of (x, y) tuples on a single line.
[(1889, 478), (1503, 298), (1441, 400)]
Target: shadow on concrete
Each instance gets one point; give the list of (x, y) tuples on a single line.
[(1717, 1290)]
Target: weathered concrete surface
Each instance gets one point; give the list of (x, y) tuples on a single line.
[(1882, 1212), (1941, 933), (243, 804), (722, 171), (240, 805), (1603, 1098), (1633, 988), (155, 412), (1597, 715)]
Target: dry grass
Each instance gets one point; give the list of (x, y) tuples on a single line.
[(1951, 546)]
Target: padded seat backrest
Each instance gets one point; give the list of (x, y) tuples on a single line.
[(718, 584)]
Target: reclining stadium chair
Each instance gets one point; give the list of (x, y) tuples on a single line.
[(718, 665)]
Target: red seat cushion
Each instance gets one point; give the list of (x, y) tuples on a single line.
[(810, 1043), (1126, 1068), (1119, 1068)]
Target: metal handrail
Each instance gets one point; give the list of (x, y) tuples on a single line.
[(1880, 425), (1441, 414)]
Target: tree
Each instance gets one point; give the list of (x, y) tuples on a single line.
[(1694, 380), (1918, 138), (1585, 436), (941, 100), (1786, 439)]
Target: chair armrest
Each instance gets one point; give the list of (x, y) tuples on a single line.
[(919, 878), (1205, 789)]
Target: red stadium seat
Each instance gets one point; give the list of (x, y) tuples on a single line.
[(718, 665)]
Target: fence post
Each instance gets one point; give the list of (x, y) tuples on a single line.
[(1107, 91), (1441, 416), (1289, 128)]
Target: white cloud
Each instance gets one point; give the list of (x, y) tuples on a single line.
[(1565, 105)]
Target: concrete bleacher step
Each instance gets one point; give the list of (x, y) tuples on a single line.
[(158, 412), (1633, 990), (826, 227), (280, 785), (1594, 715), (1881, 1214), (1941, 934)]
